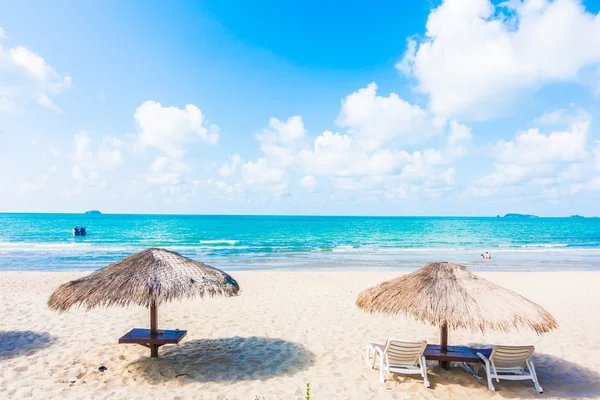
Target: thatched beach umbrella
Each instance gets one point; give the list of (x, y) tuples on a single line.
[(450, 296), (148, 279)]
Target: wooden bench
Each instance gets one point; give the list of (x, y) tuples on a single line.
[(153, 341), (462, 354), (454, 354)]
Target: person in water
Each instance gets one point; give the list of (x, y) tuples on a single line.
[(488, 255)]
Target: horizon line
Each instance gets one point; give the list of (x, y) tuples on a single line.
[(524, 216)]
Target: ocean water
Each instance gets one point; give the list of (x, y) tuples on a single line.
[(45, 242)]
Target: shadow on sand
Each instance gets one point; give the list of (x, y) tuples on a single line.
[(559, 378), (23, 343), (225, 360)]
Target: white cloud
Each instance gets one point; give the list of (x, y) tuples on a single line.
[(340, 155), (33, 63), (361, 183), (309, 182), (25, 76), (476, 57), (374, 120), (28, 187), (555, 193), (370, 156), (562, 116), (7, 105), (230, 168), (538, 159), (220, 188), (169, 128), (594, 183), (283, 132), (504, 174), (54, 151), (165, 171), (435, 167), (279, 143), (261, 172), (597, 155), (533, 147), (89, 163), (45, 101), (337, 155)]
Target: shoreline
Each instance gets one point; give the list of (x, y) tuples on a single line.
[(392, 272), (357, 267), (286, 328)]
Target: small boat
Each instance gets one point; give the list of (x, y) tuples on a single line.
[(79, 231)]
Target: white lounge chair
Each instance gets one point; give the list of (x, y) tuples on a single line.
[(509, 362), (399, 357)]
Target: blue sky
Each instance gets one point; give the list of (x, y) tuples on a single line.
[(386, 108)]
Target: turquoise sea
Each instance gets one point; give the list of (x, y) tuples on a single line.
[(45, 242)]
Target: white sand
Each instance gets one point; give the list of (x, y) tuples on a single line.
[(286, 329)]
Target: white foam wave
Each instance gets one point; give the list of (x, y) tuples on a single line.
[(416, 249), (43, 245), (220, 241), (52, 247), (345, 249), (534, 245)]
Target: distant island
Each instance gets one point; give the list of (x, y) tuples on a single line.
[(93, 212), (520, 216), (515, 215)]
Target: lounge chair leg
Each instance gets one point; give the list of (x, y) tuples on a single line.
[(381, 369), (489, 379), (423, 363), (474, 372), (534, 378), (491, 385), (370, 363), (477, 369)]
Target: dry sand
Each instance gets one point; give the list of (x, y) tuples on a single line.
[(285, 329)]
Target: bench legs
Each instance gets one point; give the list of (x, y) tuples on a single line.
[(154, 350), (472, 371)]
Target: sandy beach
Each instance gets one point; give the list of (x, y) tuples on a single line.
[(284, 330)]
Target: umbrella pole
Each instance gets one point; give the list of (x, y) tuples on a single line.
[(444, 344), (153, 329)]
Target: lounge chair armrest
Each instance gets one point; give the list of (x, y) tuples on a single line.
[(382, 358), (483, 358)]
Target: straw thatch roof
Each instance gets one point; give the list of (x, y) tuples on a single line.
[(446, 293), (150, 276)]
